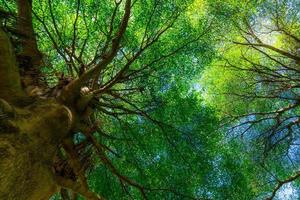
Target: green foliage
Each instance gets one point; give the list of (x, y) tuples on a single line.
[(251, 85), (199, 75)]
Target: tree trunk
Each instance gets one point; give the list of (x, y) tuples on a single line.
[(28, 144), (30, 131)]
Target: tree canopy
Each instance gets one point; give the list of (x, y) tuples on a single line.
[(152, 99)]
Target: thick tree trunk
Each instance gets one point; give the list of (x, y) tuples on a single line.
[(36, 121), (29, 140), (29, 135)]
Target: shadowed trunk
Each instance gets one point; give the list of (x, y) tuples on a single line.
[(28, 143), (29, 57), (25, 26), (10, 85), (29, 134), (38, 122)]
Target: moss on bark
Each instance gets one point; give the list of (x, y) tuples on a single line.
[(27, 152)]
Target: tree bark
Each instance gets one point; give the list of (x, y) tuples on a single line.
[(28, 143), (25, 26), (30, 58), (10, 85), (29, 135)]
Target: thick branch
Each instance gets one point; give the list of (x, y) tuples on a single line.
[(78, 188), (74, 161), (29, 45), (10, 85), (72, 90)]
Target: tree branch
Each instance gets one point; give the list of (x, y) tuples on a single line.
[(10, 83), (282, 183), (29, 45), (72, 90), (284, 53), (110, 165), (78, 188)]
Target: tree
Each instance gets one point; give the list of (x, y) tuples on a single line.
[(69, 72), (257, 81), (101, 99)]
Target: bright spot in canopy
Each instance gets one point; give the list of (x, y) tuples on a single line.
[(196, 11)]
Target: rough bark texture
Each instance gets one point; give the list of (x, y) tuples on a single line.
[(29, 54), (37, 123), (30, 131), (10, 85), (27, 148)]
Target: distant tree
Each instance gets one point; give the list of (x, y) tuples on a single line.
[(256, 83), (79, 80)]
